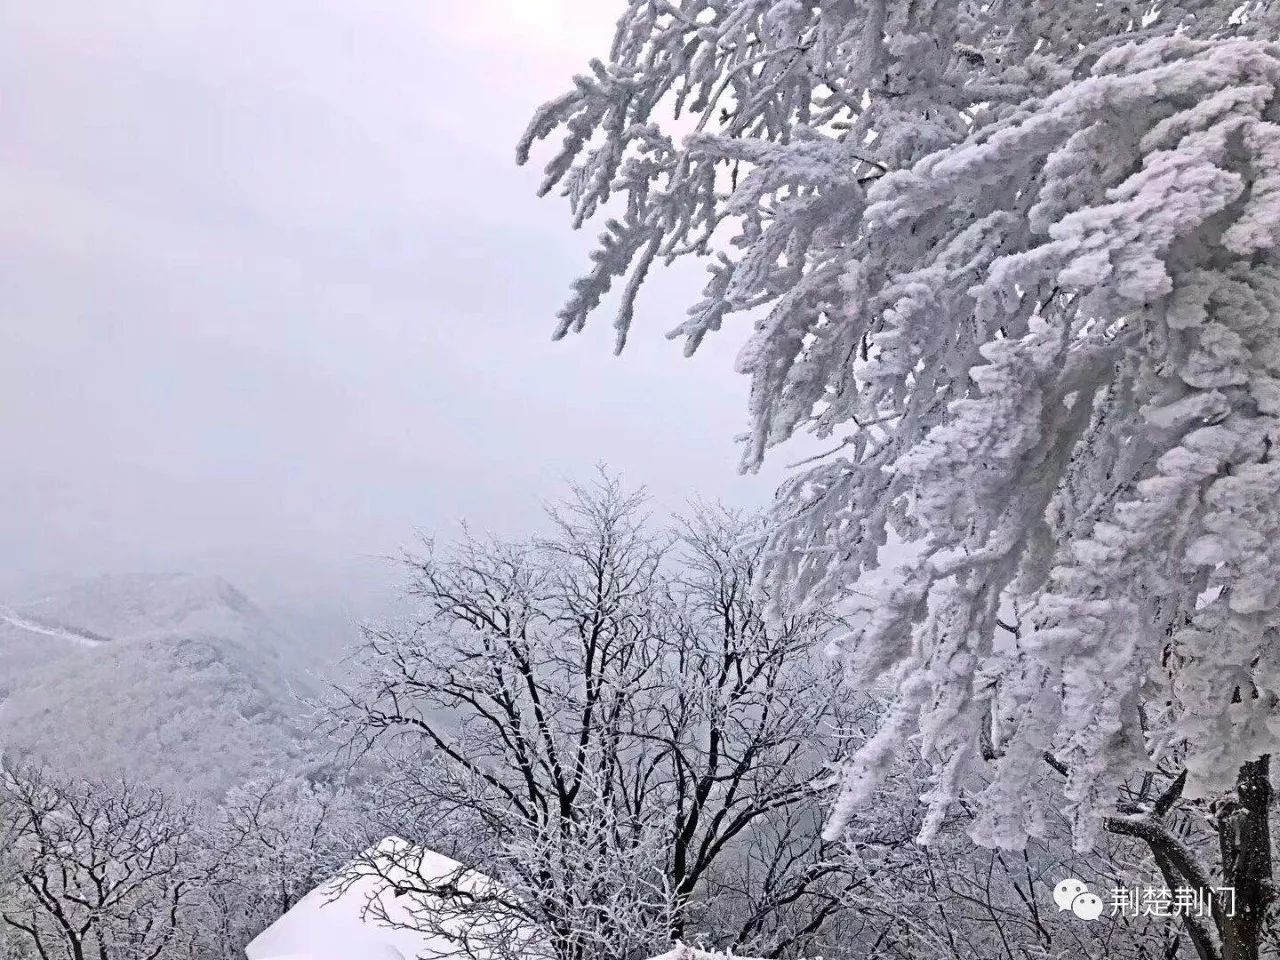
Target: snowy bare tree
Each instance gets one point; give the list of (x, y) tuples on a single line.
[(274, 841), (106, 871), (1018, 261), (617, 736)]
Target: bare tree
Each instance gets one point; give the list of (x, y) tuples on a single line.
[(604, 721), (101, 870)]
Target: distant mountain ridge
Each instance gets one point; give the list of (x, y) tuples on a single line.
[(175, 679), (131, 606)]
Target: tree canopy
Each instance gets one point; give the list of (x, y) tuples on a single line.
[(1016, 261)]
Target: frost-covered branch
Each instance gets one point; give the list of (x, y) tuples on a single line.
[(603, 720), (103, 869), (1036, 246)]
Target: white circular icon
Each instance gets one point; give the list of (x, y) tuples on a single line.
[(1087, 906), (1071, 894), (1066, 891)]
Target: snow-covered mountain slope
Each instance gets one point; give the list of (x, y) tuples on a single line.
[(177, 680)]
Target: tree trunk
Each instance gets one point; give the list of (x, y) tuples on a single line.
[(1244, 837)]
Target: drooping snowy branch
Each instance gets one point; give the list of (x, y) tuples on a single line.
[(1020, 261)]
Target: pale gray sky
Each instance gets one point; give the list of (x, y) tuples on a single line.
[(274, 294)]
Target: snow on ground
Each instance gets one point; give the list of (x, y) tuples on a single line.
[(15, 619), (333, 921)]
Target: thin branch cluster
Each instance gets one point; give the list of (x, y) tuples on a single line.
[(601, 720)]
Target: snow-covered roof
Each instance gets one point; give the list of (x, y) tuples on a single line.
[(334, 922)]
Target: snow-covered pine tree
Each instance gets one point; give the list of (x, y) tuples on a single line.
[(1018, 262)]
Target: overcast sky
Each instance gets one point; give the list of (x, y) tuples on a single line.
[(275, 294)]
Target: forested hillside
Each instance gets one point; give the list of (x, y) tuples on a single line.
[(173, 680)]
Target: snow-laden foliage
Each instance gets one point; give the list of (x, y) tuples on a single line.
[(1018, 261)]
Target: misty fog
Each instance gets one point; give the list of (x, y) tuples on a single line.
[(272, 302)]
